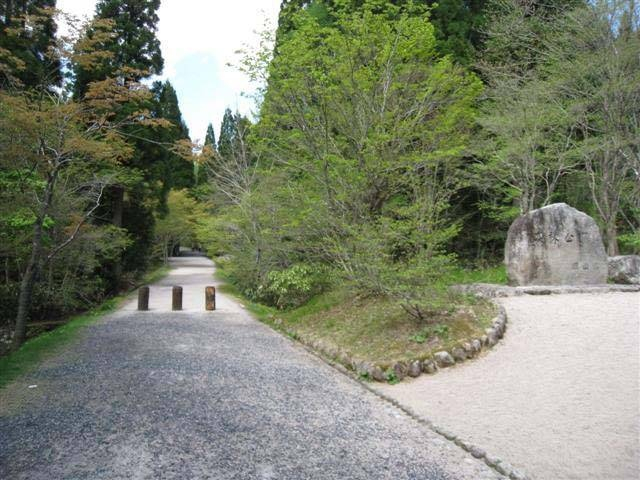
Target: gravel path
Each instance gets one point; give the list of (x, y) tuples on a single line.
[(194, 395), (557, 398)]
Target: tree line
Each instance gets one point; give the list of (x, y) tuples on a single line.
[(397, 141), (394, 142), (89, 152)]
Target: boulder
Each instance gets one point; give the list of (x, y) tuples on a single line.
[(458, 354), (400, 369), (429, 366), (415, 369), (378, 374), (555, 245), (444, 359), (625, 269)]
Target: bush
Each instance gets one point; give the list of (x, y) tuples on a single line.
[(292, 287)]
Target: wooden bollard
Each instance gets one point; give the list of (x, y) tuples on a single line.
[(143, 299), (210, 298), (177, 298)]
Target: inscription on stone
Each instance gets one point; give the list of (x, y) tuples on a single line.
[(555, 245)]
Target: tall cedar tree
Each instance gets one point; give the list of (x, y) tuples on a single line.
[(210, 138), (69, 152), (134, 45), (228, 130), (27, 36), (165, 166), (134, 54)]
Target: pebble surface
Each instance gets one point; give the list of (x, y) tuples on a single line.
[(217, 395)]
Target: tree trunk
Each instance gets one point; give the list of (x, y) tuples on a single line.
[(612, 240), (28, 280), (118, 208)]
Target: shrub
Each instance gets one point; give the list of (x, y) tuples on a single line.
[(294, 286)]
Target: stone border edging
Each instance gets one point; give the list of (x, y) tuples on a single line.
[(490, 290), (340, 361), (493, 462), (441, 359)]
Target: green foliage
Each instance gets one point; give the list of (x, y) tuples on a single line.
[(460, 276), (292, 287), (458, 25), (28, 56), (132, 49), (179, 226), (162, 165), (357, 154), (391, 377), (439, 329), (210, 138), (563, 93), (630, 243), (232, 133), (76, 192)]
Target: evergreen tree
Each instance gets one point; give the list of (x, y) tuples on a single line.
[(457, 26), (134, 47), (172, 171), (288, 9), (210, 138), (228, 130), (27, 34), (133, 53)]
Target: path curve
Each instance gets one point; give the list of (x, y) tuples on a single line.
[(195, 395), (558, 397)]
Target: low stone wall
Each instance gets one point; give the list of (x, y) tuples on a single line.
[(464, 351)]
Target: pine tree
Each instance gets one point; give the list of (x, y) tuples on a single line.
[(27, 33)]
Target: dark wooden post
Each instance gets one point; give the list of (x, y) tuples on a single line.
[(210, 298), (143, 299), (177, 298)]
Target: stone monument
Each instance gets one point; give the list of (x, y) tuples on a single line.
[(555, 245)]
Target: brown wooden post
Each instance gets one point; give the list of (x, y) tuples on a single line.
[(143, 299), (177, 298), (210, 298)]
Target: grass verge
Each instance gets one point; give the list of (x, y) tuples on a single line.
[(378, 329), (37, 348)]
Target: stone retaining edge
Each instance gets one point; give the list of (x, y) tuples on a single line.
[(439, 360), (493, 462), (490, 290)]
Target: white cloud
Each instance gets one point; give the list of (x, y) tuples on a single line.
[(210, 31)]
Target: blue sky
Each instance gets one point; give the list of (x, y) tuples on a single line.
[(199, 38)]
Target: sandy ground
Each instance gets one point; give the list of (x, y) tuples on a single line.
[(195, 395), (557, 398)]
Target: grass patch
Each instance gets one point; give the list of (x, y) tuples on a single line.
[(154, 275), (460, 276), (377, 329), (34, 350)]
